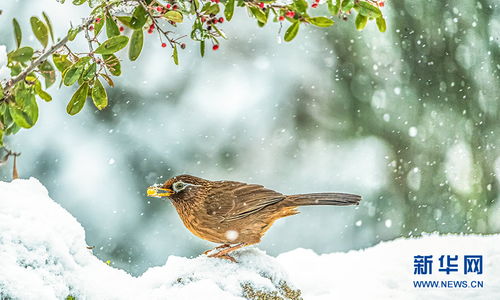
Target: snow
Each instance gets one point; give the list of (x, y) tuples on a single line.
[(43, 255), (4, 70)]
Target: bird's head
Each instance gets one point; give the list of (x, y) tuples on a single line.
[(177, 188)]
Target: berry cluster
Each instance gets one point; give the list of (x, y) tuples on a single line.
[(151, 28), (212, 19), (163, 9)]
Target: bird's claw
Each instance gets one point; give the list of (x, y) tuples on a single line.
[(224, 256), (216, 248)]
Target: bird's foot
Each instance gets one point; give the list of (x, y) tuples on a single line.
[(216, 248), (224, 252), (223, 256)]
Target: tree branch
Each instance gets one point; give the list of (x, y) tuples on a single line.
[(13, 81)]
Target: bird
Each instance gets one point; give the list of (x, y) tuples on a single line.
[(235, 214)]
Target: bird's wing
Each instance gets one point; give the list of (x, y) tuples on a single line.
[(233, 200)]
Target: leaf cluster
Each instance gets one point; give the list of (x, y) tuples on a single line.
[(108, 32)]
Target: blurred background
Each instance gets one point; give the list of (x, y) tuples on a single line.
[(408, 118)]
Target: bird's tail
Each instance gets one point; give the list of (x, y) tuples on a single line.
[(322, 199)]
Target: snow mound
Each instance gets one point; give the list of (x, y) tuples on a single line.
[(43, 255)]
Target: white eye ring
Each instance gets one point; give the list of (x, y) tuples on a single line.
[(179, 186)]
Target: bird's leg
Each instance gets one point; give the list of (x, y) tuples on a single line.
[(224, 253), (217, 248)]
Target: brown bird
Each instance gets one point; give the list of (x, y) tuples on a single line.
[(235, 214)]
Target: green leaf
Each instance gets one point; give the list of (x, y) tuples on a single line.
[(113, 64), (25, 112), (229, 9), (23, 54), (174, 16), (301, 5), (17, 32), (99, 96), (382, 27), (333, 9), (211, 9), (13, 129), (73, 32), (202, 48), (40, 30), (89, 73), (221, 34), (368, 10), (49, 25), (48, 72), (15, 69), (99, 25), (71, 74), (194, 6), (82, 61), (3, 108), (111, 27), (321, 21), (139, 17), (112, 45), (360, 21), (125, 20), (292, 31), (61, 61), (79, 2), (347, 5), (1, 96), (175, 55), (77, 101), (20, 117), (41, 93), (136, 42), (108, 79), (259, 14)]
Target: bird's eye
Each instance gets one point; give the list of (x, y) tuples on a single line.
[(179, 186)]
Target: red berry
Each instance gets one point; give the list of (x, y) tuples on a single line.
[(215, 47), (159, 9), (91, 27), (97, 20), (183, 46), (175, 7), (314, 5), (150, 31), (282, 18), (214, 21), (290, 14), (203, 19), (169, 6), (381, 4), (261, 5), (152, 26), (121, 28), (164, 45), (221, 20)]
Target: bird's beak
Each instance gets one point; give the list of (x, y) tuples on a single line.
[(155, 191)]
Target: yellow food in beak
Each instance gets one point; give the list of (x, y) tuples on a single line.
[(154, 191)]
